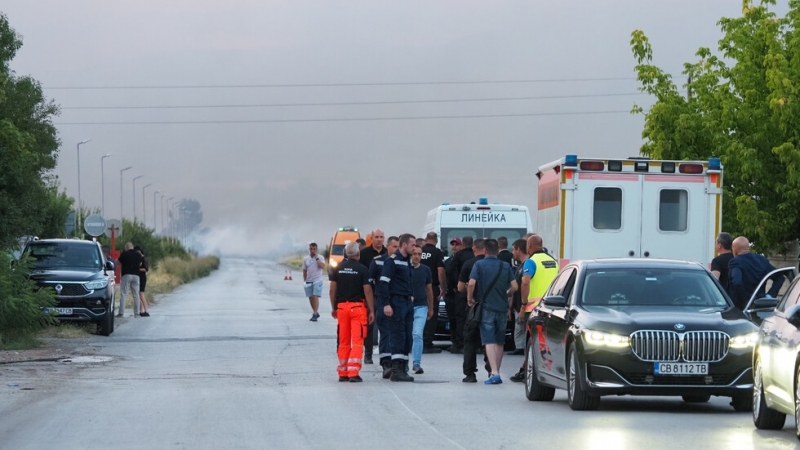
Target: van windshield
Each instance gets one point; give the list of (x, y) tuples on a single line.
[(511, 233), (337, 249)]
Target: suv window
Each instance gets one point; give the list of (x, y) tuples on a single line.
[(48, 255)]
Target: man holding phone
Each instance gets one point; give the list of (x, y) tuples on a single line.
[(313, 265)]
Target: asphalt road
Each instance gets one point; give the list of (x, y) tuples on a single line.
[(232, 361)]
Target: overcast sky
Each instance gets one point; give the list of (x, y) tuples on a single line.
[(302, 171)]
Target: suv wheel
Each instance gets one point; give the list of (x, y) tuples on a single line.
[(106, 325), (764, 418), (578, 399), (534, 391)]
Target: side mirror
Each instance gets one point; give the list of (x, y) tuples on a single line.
[(555, 301), (109, 265), (793, 315), (765, 303)]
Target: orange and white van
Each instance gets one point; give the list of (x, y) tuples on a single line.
[(342, 237)]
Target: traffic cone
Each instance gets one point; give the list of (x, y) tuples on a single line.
[(290, 275), (285, 275)]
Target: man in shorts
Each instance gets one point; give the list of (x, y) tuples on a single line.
[(313, 266)]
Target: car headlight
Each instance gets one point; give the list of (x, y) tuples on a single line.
[(600, 339), (744, 340), (97, 284), (333, 263)]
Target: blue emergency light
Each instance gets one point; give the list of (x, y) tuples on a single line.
[(445, 203), (571, 160), (483, 201), (714, 164)]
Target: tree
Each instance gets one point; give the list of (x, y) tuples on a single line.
[(742, 107), (28, 146)]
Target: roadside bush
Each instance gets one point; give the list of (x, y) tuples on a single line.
[(187, 270), (21, 301)]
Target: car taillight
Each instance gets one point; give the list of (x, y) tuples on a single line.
[(592, 165), (691, 168)]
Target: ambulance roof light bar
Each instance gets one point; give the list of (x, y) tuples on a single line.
[(571, 160), (483, 201), (714, 164)]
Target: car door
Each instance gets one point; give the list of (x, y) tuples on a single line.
[(757, 314), (556, 325), (782, 338)]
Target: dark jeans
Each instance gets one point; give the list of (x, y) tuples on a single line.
[(450, 307), (383, 337), (401, 325), (472, 342), (430, 326), (461, 319)]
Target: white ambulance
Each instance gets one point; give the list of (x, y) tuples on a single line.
[(598, 208), (480, 220)]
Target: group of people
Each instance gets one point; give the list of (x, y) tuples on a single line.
[(740, 271), (133, 280), (396, 284)]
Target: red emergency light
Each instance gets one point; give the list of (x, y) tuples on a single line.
[(592, 165), (691, 168)]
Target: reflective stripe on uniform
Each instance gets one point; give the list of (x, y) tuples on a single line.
[(401, 263), (400, 356), (386, 279)]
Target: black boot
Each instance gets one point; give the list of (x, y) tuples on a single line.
[(398, 371), (387, 369)]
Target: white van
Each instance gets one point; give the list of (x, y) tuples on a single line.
[(480, 220), (598, 208)]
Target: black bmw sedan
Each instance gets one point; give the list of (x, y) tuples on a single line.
[(639, 327)]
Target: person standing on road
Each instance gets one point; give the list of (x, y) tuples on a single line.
[(312, 276), (538, 272), (353, 308), (361, 244), (131, 261), (520, 251), (472, 338), (719, 265), (375, 269), (369, 254), (423, 306), (433, 258), (745, 272), (450, 295), (143, 306), (395, 297), (460, 305), (491, 282)]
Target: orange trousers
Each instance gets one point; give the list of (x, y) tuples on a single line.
[(352, 327)]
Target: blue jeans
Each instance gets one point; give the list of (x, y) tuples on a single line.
[(420, 318)]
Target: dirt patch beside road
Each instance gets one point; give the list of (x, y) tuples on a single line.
[(52, 350)]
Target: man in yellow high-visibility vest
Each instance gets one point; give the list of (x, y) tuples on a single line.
[(538, 272)]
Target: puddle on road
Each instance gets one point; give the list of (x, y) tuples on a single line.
[(87, 359)]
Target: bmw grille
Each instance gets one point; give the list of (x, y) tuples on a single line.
[(668, 346)]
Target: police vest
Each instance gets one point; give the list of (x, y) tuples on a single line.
[(546, 272)]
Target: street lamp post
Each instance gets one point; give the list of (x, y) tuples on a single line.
[(144, 205), (162, 209), (155, 230), (103, 181), (79, 183), (134, 196), (121, 190)]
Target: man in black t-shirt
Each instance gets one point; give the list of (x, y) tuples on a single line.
[(719, 265), (471, 336), (433, 258), (374, 252), (505, 254), (353, 307), (460, 304), (131, 262)]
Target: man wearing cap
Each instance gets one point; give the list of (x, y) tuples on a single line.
[(433, 258), (312, 276), (450, 292), (371, 253)]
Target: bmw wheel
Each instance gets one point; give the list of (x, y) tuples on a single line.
[(579, 400), (534, 391), (764, 418)]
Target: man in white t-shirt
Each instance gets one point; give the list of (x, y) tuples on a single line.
[(313, 265)]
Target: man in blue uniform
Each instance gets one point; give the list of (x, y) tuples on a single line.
[(375, 269), (395, 298)]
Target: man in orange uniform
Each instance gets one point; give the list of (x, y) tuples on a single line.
[(353, 307)]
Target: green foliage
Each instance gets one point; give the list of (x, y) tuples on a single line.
[(21, 301), (54, 216), (748, 114), (28, 147), (155, 248), (187, 270)]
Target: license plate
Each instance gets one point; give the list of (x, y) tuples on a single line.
[(60, 311), (668, 368)]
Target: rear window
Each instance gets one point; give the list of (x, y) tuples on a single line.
[(649, 287), (52, 255)]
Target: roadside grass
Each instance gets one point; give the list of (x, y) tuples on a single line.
[(170, 273), (293, 261)]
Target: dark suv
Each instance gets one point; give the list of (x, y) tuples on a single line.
[(81, 278)]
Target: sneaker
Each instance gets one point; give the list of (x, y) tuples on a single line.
[(431, 350), (145, 314), (137, 315), (470, 379), (494, 379), (417, 369), (356, 379), (120, 315), (368, 359), (341, 379), (518, 377), (314, 317)]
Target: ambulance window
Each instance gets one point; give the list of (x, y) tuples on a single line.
[(607, 211), (672, 210)]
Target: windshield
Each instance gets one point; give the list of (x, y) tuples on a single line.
[(52, 255), (511, 233), (337, 249), (650, 287)]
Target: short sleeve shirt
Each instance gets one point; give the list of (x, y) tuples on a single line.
[(434, 259), (422, 278), (720, 264), (484, 272), (350, 278), (313, 272), (529, 268)]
